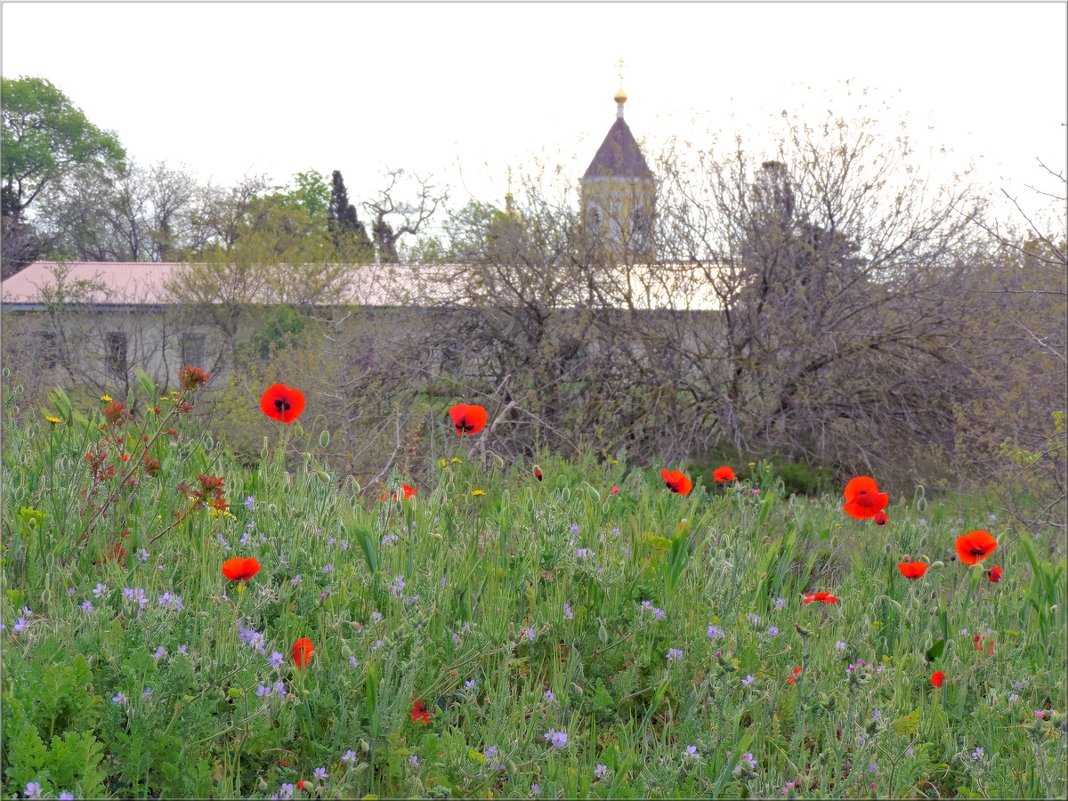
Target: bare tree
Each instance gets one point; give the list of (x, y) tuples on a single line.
[(394, 217)]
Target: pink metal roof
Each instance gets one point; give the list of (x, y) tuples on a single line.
[(663, 286), (124, 283)]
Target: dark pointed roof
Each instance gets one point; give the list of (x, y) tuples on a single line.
[(619, 156)]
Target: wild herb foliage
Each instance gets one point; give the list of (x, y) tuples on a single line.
[(585, 633)]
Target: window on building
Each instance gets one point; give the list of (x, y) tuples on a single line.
[(615, 221), (192, 346), (115, 352), (47, 351)]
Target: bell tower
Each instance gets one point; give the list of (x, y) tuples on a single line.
[(618, 192)]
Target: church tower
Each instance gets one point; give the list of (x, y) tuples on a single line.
[(618, 193)]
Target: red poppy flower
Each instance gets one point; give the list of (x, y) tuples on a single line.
[(723, 474), (792, 678), (938, 678), (303, 785), (863, 499), (468, 419), (408, 492), (677, 481), (823, 597), (282, 403), (994, 574), (240, 569), (912, 570), (538, 474), (302, 652), (975, 546), (419, 713), (880, 518)]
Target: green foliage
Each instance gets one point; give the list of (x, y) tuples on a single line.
[(44, 137), (481, 593), (283, 328)]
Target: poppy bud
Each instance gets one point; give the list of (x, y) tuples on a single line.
[(537, 473), (994, 574)]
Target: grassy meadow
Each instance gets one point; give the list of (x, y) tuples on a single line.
[(590, 634)]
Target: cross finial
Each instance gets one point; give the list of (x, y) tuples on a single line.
[(621, 96)]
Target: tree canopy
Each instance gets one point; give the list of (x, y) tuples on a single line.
[(45, 137)]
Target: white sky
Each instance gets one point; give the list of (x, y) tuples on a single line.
[(443, 89)]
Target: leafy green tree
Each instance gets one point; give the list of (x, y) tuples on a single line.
[(45, 137), (349, 234)]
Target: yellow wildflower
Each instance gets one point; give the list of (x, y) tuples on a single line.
[(52, 420), (105, 398), (478, 492), (457, 460), (442, 462)]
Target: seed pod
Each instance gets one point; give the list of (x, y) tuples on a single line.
[(537, 473)]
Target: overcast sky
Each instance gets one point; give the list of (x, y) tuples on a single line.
[(462, 92)]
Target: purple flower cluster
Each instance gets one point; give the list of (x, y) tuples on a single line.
[(252, 638), (557, 738), (658, 613)]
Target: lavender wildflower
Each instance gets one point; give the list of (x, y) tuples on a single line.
[(977, 754), (567, 611), (674, 655), (294, 582), (183, 650), (349, 757), (87, 606), (276, 660), (551, 696), (320, 773), (715, 633), (748, 680), (119, 698), (557, 738), (171, 600), (147, 693), (328, 567), (32, 790), (600, 771), (100, 590), (20, 625), (280, 689), (584, 553), (527, 633), (376, 617), (250, 503), (773, 631), (354, 662), (160, 653), (263, 690)]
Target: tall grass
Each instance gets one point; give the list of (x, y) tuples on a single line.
[(515, 609)]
